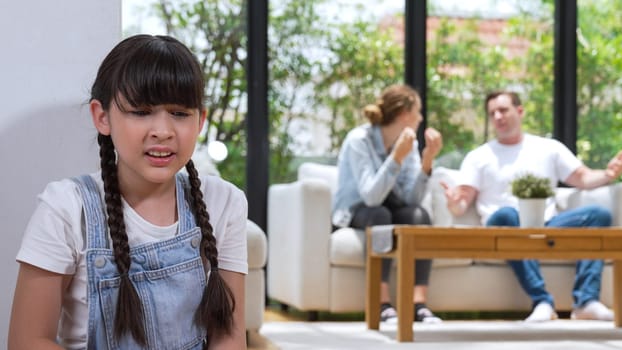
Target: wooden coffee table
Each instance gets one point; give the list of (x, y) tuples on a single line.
[(428, 242)]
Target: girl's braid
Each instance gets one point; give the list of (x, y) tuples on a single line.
[(215, 312), (129, 313)]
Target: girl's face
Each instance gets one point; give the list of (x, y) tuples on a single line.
[(152, 142)]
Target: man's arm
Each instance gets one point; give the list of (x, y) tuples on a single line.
[(587, 178), (459, 198)]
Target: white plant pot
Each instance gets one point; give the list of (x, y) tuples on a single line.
[(531, 212)]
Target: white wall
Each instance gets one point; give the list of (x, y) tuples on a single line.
[(49, 54)]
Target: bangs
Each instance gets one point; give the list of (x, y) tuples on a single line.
[(159, 72)]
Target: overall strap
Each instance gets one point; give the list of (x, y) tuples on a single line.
[(94, 215), (187, 220)]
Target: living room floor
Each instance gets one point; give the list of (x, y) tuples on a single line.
[(289, 330), (258, 342)]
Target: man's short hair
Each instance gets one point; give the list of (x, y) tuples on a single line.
[(494, 94)]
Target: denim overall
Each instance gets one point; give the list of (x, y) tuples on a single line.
[(168, 276)]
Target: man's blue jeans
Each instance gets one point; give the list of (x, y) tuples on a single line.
[(588, 272)]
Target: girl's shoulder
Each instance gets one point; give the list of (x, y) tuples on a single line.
[(57, 221), (215, 186), (62, 195), (223, 200)]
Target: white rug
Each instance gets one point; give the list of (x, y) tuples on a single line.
[(497, 335)]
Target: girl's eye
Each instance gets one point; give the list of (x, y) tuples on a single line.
[(140, 112), (180, 114)]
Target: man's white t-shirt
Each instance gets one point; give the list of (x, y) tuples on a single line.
[(490, 169), (54, 240)]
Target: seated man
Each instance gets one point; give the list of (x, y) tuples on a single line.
[(485, 176)]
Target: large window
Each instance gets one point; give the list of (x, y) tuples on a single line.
[(599, 72), (476, 47), (340, 55), (328, 59)]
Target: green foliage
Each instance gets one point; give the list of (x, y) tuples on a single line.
[(599, 72), (216, 32), (362, 62), (322, 71), (531, 186)]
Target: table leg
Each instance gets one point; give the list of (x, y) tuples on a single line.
[(617, 292), (372, 297), (405, 282)]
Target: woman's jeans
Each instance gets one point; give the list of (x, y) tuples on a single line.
[(388, 214), (588, 272)]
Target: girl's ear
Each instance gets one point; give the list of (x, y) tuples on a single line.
[(202, 118), (100, 117)]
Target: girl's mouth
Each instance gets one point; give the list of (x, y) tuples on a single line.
[(159, 154)]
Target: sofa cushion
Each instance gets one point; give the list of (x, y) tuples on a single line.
[(347, 248)]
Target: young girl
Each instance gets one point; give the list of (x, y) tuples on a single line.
[(137, 256)]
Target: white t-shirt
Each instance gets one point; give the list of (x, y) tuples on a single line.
[(490, 168), (54, 240)]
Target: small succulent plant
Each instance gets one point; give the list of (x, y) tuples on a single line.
[(531, 186)]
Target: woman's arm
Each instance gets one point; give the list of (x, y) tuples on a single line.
[(36, 308), (237, 338)]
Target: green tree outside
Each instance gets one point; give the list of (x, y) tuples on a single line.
[(325, 71)]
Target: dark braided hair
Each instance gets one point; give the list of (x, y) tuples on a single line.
[(148, 70), (129, 313), (217, 304)]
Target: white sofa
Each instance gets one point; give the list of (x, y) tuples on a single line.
[(255, 280), (312, 269)]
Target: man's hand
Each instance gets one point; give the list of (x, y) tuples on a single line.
[(455, 203), (459, 198), (614, 168)]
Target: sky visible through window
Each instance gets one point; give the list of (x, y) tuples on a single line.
[(137, 16)]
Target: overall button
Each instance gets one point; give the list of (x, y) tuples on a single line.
[(100, 261), (195, 241)]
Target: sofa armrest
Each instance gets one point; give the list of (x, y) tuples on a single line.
[(257, 246), (299, 228), (605, 196), (255, 280)]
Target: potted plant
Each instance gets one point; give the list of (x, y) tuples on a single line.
[(532, 192)]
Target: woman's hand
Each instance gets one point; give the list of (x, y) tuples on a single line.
[(404, 144), (433, 145)]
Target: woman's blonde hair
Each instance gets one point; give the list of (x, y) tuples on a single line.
[(394, 100)]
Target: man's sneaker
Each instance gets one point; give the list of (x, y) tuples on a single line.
[(388, 313), (542, 312), (423, 314), (593, 310)]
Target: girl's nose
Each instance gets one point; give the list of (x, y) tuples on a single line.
[(161, 126)]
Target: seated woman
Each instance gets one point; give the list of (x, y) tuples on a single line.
[(382, 180)]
